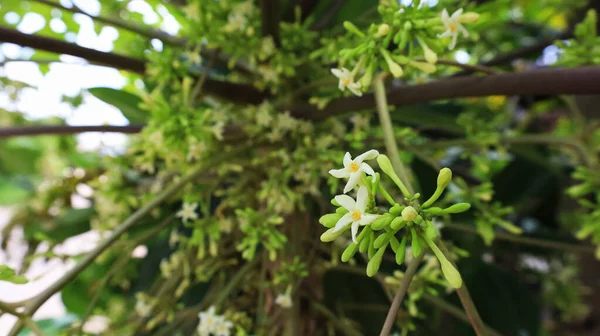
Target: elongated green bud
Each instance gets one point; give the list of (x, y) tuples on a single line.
[(364, 244), (580, 190), (415, 243), (363, 233), (396, 209), (444, 178), (375, 262), (383, 239), (329, 220), (394, 67), (401, 251), (386, 165), (468, 17), (430, 231), (383, 30), (409, 214), (353, 29), (341, 210), (397, 223), (371, 249), (450, 272), (423, 66), (381, 222), (457, 208), (330, 235), (349, 252), (436, 211), (394, 243), (335, 203)]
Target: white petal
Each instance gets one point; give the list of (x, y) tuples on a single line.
[(368, 170), (362, 198), (354, 231), (368, 155), (342, 222), (453, 43), (346, 201), (355, 90), (347, 160), (445, 34), (367, 219), (352, 181), (463, 30), (339, 173), (341, 86), (457, 14), (445, 16), (337, 72)]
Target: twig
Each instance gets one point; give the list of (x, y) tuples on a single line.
[(270, 20), (471, 67), (24, 318), (233, 92), (555, 81), (7, 132), (527, 240), (402, 288), (452, 310), (340, 325)]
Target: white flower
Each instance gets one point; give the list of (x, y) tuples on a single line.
[(217, 130), (423, 3), (346, 81), (284, 300), (236, 21), (356, 211), (96, 324), (196, 150), (453, 26), (209, 321), (353, 169), (142, 308), (223, 327), (188, 212), (286, 122)]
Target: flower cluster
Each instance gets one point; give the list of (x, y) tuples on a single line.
[(401, 224), (213, 324), (385, 46)]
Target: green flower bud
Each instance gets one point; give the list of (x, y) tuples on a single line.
[(423, 66), (335, 203), (329, 235), (430, 231), (580, 190), (457, 208), (349, 252), (375, 262), (401, 251), (450, 273), (341, 211), (397, 223), (364, 244), (383, 30), (415, 243), (382, 240), (386, 165), (394, 67), (381, 222), (409, 214), (468, 17), (329, 220), (444, 178), (353, 29), (436, 211), (394, 243), (396, 209), (397, 37), (371, 249)]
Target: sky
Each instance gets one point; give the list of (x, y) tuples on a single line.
[(44, 100)]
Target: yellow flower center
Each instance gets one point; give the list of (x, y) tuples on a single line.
[(354, 167), (346, 82), (356, 215), (453, 27)]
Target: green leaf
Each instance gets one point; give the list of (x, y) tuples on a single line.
[(8, 274), (71, 223), (124, 101), (12, 192)]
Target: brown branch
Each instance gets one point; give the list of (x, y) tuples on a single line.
[(270, 20), (237, 93), (7, 132), (582, 80)]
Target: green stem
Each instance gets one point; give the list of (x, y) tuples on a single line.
[(386, 195), (402, 288), (345, 328), (527, 240), (452, 310), (465, 297), (388, 132)]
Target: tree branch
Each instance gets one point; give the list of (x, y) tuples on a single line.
[(582, 80), (7, 132), (237, 93), (270, 20)]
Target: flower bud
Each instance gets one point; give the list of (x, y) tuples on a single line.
[(396, 209), (450, 273), (382, 239), (397, 223), (457, 208), (330, 235), (353, 29), (383, 30), (401, 251), (381, 222), (329, 220), (341, 210), (468, 17), (375, 262), (444, 177), (415, 244), (394, 67), (386, 166), (436, 211), (580, 190), (409, 214), (349, 252)]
